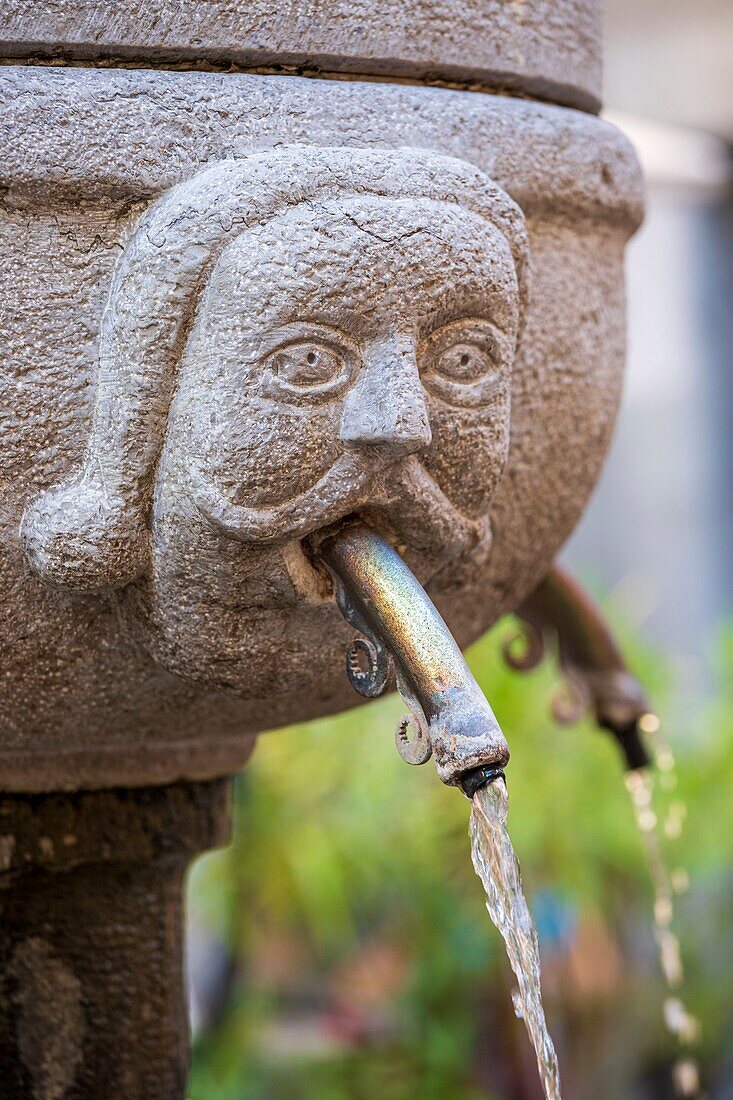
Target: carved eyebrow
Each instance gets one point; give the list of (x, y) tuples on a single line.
[(441, 318), (304, 328)]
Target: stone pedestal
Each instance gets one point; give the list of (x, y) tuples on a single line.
[(92, 997)]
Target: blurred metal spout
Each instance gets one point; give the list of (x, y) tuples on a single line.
[(405, 636), (597, 678)]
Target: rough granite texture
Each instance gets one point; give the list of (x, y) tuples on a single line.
[(545, 48), (287, 337)]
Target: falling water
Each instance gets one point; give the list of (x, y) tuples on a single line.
[(678, 1021), (496, 865)]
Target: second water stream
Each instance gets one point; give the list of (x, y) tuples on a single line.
[(666, 885)]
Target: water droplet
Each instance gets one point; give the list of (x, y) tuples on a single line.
[(686, 1077), (664, 759), (675, 820), (634, 781), (678, 1020), (669, 952), (663, 911), (649, 723), (680, 880)]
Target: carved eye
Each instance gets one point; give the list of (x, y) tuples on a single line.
[(310, 370), (461, 363)]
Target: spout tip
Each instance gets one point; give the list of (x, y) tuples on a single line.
[(473, 780), (631, 743), (465, 735)]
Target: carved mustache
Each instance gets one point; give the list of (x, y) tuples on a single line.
[(401, 490)]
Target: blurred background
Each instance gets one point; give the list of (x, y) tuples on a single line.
[(340, 948)]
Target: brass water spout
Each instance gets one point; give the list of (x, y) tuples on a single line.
[(405, 635)]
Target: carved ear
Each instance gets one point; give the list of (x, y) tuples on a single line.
[(93, 532)]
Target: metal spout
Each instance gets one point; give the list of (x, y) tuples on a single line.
[(562, 611), (403, 631)]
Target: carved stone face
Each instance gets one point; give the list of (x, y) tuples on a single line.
[(332, 344), (347, 356), (290, 338)]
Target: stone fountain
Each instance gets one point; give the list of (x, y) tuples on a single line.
[(265, 271)]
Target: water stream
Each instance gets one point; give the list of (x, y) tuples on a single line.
[(678, 1021), (496, 865)]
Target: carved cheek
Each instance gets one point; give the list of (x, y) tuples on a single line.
[(468, 452), (280, 451)]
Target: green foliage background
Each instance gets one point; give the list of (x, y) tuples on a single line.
[(363, 963)]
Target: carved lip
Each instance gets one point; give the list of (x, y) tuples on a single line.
[(399, 496), (333, 496), (412, 505)]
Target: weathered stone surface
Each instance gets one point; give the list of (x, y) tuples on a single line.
[(151, 646), (547, 48), (92, 998)]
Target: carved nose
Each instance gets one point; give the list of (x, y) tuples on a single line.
[(386, 408)]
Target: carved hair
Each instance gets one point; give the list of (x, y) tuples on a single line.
[(92, 532)]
